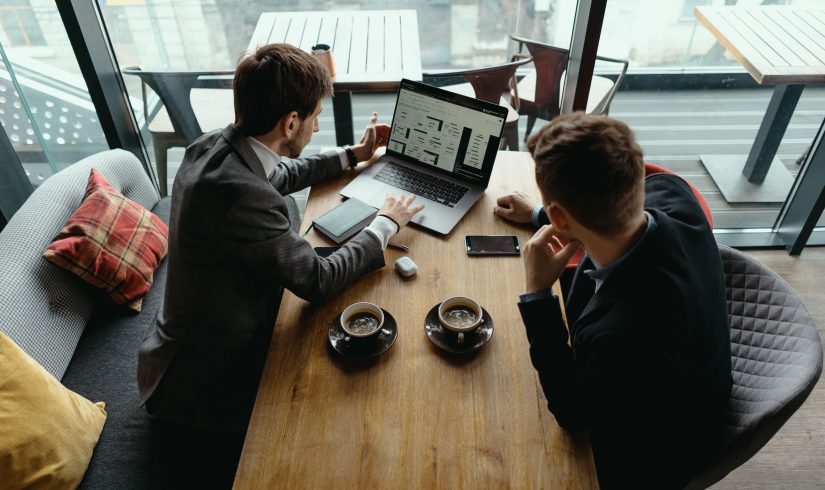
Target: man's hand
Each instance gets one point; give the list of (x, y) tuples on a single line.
[(516, 207), (545, 258), (375, 136), (398, 209)]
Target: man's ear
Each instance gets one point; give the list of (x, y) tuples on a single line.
[(289, 124), (558, 216)]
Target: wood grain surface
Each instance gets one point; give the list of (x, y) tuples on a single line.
[(775, 44), (414, 417), (372, 49)]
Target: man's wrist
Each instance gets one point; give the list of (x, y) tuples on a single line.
[(362, 153), (540, 295)]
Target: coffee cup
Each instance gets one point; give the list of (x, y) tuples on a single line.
[(460, 316), (361, 320), (324, 54)]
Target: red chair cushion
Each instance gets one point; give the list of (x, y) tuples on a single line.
[(111, 242)]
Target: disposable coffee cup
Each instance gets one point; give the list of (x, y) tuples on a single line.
[(460, 315), (361, 320), (324, 54)]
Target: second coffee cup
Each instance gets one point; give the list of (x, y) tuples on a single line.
[(460, 315)]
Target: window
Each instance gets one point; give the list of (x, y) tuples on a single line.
[(19, 25)]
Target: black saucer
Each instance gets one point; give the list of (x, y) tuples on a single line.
[(447, 340), (368, 347)]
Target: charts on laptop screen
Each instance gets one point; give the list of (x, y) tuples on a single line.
[(439, 130)]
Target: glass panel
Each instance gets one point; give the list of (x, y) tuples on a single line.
[(694, 121), (45, 107), (209, 35), (18, 25)]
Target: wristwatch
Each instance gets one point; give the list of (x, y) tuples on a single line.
[(353, 160)]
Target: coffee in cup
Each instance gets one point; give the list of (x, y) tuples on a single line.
[(362, 320), (460, 315)]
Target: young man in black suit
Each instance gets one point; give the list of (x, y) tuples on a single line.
[(647, 371)]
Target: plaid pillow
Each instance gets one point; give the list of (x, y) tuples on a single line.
[(111, 242)]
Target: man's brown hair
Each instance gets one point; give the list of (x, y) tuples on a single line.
[(274, 81), (593, 167)]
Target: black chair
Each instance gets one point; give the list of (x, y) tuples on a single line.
[(776, 356), (489, 84), (175, 124), (540, 91)]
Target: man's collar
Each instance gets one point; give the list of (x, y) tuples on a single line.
[(269, 159), (601, 273), (238, 141)]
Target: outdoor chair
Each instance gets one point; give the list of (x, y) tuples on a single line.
[(539, 92), (193, 102), (489, 84), (776, 358)]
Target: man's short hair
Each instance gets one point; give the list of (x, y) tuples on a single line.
[(593, 167), (274, 81)]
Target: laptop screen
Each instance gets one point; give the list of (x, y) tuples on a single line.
[(448, 131)]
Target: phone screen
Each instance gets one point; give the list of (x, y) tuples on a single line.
[(492, 245)]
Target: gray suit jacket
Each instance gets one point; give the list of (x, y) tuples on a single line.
[(231, 253)]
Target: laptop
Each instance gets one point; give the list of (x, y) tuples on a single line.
[(442, 148)]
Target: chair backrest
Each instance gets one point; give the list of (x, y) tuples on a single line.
[(174, 89), (776, 357), (550, 63), (488, 83)]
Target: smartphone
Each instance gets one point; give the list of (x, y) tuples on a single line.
[(325, 251), (492, 245)]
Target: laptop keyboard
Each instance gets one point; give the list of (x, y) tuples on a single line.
[(421, 184)]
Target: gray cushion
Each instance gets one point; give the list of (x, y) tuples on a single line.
[(104, 368), (42, 307), (776, 357)]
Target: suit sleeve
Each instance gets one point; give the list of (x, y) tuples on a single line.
[(672, 195), (292, 175), (553, 360), (610, 372), (257, 232), (542, 218)]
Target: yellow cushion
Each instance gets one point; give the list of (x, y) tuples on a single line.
[(47, 432)]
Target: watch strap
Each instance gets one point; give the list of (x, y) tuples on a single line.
[(353, 160)]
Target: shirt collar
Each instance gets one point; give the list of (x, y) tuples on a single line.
[(599, 274), (269, 159)]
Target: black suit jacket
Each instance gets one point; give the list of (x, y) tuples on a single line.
[(231, 251), (649, 369)]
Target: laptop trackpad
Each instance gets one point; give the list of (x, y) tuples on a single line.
[(376, 200)]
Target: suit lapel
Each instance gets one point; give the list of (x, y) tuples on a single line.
[(581, 290), (583, 302), (238, 141)]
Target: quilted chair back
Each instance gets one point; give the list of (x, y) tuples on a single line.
[(776, 358)]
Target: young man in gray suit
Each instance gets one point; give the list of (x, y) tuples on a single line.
[(233, 245)]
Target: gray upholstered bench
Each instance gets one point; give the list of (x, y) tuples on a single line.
[(70, 327), (91, 345)]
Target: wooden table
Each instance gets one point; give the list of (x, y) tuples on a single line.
[(373, 50), (782, 46), (415, 417)]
